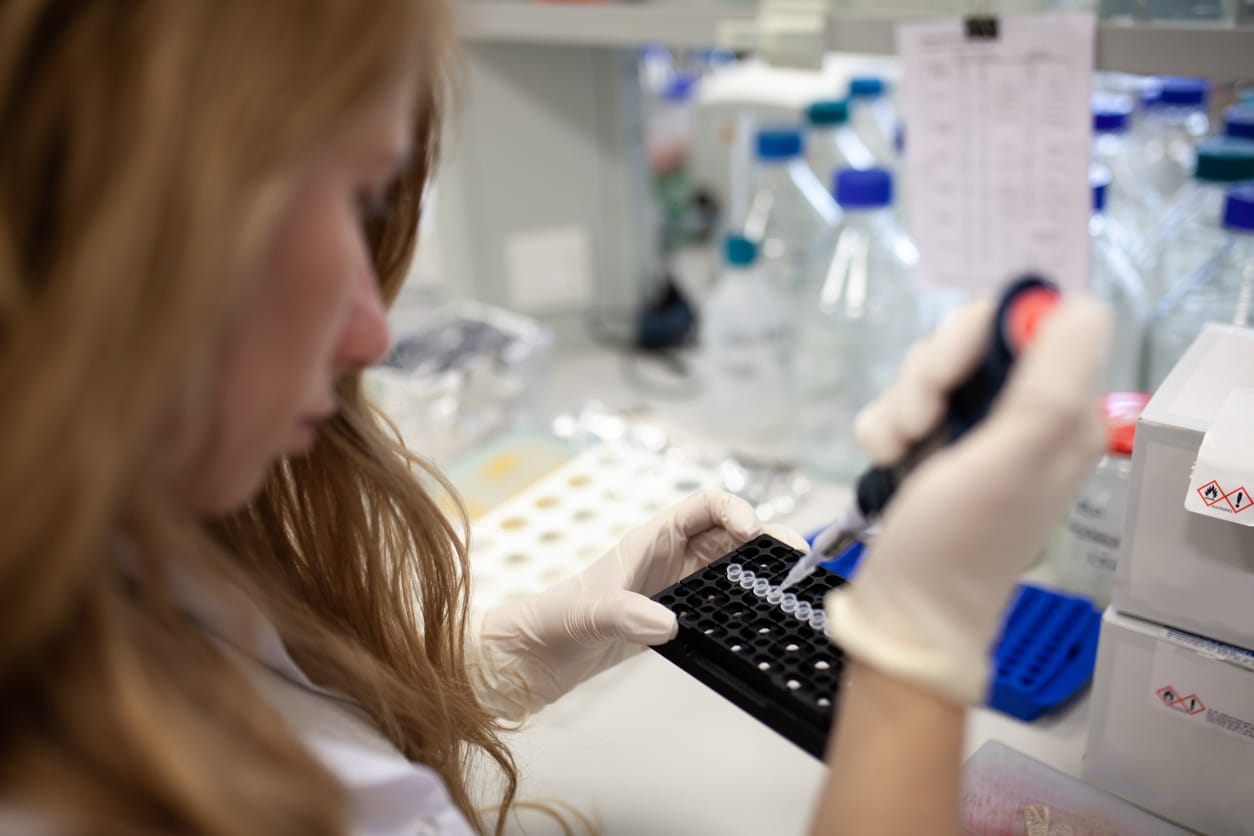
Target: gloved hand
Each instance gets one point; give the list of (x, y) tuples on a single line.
[(929, 595), (530, 651)]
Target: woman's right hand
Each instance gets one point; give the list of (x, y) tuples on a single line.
[(928, 598)]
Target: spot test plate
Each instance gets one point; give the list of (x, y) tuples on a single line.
[(562, 523)]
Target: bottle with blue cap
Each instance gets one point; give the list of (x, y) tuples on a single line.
[(1130, 200), (1239, 121), (1221, 289), (1117, 281), (857, 315), (1177, 123), (746, 328), (873, 118), (656, 66), (790, 211), (1146, 93), (831, 143), (1191, 228)]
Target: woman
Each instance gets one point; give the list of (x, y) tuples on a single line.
[(208, 203), (226, 603)]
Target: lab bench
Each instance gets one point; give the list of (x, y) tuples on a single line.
[(646, 748)]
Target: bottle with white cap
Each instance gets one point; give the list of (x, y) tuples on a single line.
[(1191, 226), (1118, 283), (831, 143), (791, 210), (857, 315), (873, 117), (745, 337), (1220, 290)]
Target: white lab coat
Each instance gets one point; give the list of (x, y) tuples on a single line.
[(389, 796)]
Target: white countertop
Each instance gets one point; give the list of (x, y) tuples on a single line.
[(647, 749)]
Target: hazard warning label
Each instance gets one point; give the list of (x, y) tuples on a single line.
[(1198, 685), (1189, 705), (1220, 496), (1239, 499), (1224, 467), (1214, 496)]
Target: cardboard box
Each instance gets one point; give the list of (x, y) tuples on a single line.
[(1177, 567), (1171, 725)]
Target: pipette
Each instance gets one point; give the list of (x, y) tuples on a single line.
[(1022, 308)]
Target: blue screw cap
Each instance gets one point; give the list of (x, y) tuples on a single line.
[(740, 251), (869, 188), (779, 143), (1099, 181), (1239, 121), (1239, 209), (1223, 159), (681, 87), (828, 112), (866, 86), (1178, 90), (1107, 120)]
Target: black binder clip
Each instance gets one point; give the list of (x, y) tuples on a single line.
[(981, 24), (981, 27)]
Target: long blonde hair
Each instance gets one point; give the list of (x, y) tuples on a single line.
[(145, 147)]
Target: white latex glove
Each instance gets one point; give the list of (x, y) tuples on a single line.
[(915, 401), (929, 596), (532, 650)]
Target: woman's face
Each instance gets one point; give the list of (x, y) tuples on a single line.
[(312, 313)]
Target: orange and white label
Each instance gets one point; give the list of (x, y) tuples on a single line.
[(1223, 473), (1206, 683)]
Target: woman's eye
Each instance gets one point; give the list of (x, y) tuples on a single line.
[(371, 203)]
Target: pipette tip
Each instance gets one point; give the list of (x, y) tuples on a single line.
[(800, 570)]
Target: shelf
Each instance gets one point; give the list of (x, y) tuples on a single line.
[(1215, 51), (1220, 52), (602, 24)]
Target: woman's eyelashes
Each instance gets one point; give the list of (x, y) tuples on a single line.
[(371, 202)]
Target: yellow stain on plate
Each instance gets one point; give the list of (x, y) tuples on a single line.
[(499, 466)]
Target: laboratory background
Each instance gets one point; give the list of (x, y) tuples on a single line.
[(680, 244)]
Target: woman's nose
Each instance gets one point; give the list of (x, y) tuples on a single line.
[(365, 339)]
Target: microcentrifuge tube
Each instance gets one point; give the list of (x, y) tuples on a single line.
[(747, 579), (760, 587), (818, 620), (774, 594), (804, 611), (788, 602), (733, 571)]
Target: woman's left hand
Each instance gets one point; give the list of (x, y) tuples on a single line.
[(532, 650)]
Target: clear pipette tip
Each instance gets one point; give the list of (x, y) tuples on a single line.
[(802, 569), (850, 522)]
